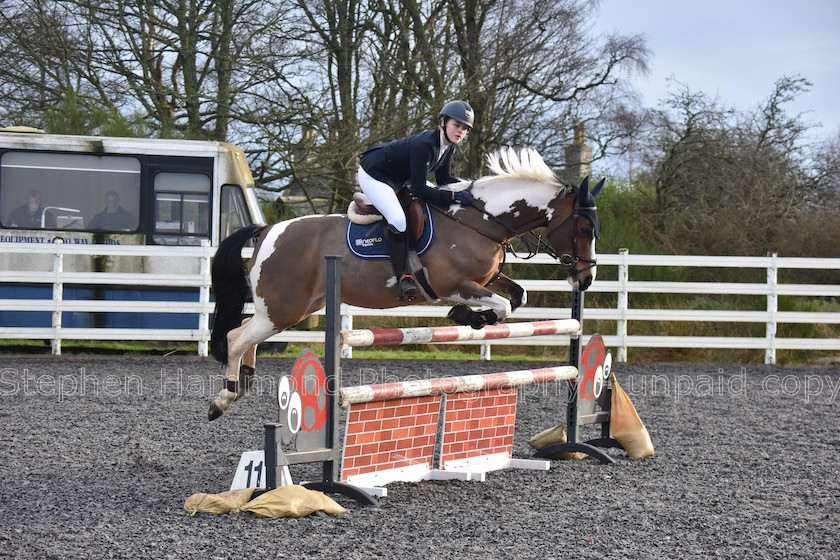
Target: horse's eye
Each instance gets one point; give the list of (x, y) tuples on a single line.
[(586, 232)]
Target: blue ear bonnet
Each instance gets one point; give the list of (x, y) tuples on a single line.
[(586, 204), (592, 215)]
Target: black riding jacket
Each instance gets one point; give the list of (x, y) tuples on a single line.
[(409, 160)]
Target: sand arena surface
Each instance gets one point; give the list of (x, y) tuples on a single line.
[(99, 454)]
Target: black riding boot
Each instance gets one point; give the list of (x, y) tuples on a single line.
[(398, 250)]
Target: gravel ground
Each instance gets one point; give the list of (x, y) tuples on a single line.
[(99, 454)]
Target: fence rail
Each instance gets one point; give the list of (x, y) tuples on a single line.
[(621, 285)]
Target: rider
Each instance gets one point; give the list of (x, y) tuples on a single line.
[(387, 168)]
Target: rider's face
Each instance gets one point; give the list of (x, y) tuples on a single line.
[(456, 130)]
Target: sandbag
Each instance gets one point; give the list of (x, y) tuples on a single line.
[(292, 501), (626, 426), (218, 503), (557, 434)]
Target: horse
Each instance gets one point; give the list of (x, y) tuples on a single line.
[(285, 278)]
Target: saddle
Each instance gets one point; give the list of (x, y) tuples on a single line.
[(362, 211)]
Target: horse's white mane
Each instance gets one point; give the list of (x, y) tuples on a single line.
[(525, 163)]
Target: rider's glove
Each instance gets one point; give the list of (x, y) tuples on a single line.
[(464, 198)]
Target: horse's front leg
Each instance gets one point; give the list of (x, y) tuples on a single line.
[(502, 283), (248, 370), (471, 293)]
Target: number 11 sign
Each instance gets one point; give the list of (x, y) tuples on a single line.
[(251, 471)]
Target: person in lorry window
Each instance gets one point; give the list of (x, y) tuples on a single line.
[(31, 213), (114, 217)]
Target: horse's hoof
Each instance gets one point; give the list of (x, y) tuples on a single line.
[(481, 319), (460, 314), (491, 317), (214, 412), (478, 322)]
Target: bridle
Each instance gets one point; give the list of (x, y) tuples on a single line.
[(569, 262)]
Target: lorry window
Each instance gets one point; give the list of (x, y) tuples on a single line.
[(234, 211), (69, 191), (182, 208)]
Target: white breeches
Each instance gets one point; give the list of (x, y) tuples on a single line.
[(384, 198)]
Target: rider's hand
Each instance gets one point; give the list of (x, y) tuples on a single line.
[(464, 198)]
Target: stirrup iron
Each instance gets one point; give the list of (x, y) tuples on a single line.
[(407, 288)]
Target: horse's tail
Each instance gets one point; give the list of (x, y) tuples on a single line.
[(230, 288)]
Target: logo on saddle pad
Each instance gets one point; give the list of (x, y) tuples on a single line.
[(368, 241)]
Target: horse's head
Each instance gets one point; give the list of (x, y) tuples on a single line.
[(572, 231), (523, 193)]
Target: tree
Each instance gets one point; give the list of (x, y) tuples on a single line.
[(42, 40), (305, 86), (827, 173), (728, 182), (532, 72), (181, 67), (185, 63)]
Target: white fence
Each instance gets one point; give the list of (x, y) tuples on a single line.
[(621, 285)]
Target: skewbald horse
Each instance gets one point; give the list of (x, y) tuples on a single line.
[(286, 276)]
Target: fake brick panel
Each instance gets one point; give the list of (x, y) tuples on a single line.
[(385, 435), (478, 424)]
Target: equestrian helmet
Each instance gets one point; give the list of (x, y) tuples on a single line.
[(460, 111)]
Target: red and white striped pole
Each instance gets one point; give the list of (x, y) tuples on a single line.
[(423, 335), (463, 384)]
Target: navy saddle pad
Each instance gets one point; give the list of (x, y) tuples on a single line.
[(368, 241)]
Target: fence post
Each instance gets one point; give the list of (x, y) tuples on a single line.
[(485, 351), (332, 359), (621, 327), (204, 298), (346, 325), (575, 344), (772, 308), (58, 295)]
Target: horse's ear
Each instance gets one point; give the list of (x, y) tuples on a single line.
[(599, 186), (583, 191)]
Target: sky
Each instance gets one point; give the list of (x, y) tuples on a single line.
[(736, 50)]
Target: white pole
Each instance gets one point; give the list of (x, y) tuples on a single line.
[(346, 325), (485, 351), (58, 296), (772, 308), (204, 298), (621, 327)]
